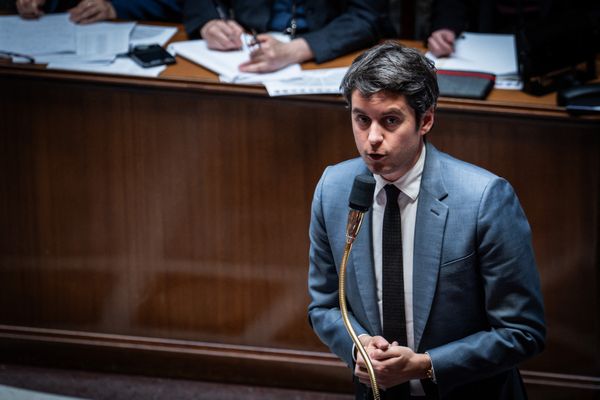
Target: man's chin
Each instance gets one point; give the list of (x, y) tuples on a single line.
[(375, 167)]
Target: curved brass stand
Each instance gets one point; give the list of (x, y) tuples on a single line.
[(354, 222)]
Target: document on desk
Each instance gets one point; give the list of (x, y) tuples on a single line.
[(120, 66), (103, 38), (226, 63), (479, 52), (54, 37), (53, 33), (54, 40), (315, 81), (95, 43), (149, 34), (141, 34)]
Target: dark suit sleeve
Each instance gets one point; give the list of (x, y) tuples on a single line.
[(511, 295), (355, 28), (52, 6), (148, 10), (450, 14), (196, 13)]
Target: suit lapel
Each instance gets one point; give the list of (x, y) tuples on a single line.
[(429, 236), (361, 272)]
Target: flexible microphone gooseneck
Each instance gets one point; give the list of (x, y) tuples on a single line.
[(361, 198)]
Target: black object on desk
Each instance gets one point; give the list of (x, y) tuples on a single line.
[(582, 99), (465, 84), (151, 56), (558, 53)]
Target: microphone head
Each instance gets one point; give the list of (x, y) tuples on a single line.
[(361, 196)]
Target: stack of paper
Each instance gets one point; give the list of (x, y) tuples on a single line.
[(317, 81), (55, 40), (291, 80), (489, 53)]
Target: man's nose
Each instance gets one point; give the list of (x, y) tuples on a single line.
[(375, 134)]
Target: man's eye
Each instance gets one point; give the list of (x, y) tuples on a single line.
[(363, 120), (391, 121)]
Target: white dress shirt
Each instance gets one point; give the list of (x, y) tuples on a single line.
[(409, 185)]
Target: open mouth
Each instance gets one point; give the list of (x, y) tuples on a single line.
[(375, 156)]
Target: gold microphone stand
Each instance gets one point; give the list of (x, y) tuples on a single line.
[(355, 219)]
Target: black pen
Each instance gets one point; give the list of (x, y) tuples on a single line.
[(222, 13), (255, 38)]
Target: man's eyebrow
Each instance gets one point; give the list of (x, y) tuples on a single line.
[(394, 110), (391, 110)]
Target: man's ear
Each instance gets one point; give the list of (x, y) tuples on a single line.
[(427, 121)]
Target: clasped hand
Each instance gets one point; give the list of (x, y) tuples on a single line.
[(393, 364)]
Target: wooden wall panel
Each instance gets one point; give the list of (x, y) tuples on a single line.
[(189, 212), (166, 225)]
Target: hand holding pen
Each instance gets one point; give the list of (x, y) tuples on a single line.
[(222, 33), (270, 54)]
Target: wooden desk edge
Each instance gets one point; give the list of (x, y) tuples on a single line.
[(186, 75)]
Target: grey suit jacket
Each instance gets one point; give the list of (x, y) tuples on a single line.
[(478, 308)]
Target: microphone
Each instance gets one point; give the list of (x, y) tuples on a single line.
[(361, 198)]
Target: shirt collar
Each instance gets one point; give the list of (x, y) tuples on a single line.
[(409, 183)]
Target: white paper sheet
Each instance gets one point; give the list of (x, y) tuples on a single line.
[(492, 53), (150, 34), (103, 38), (121, 66), (53, 33), (318, 81), (226, 63), (483, 52)]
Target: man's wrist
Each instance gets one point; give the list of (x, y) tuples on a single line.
[(360, 339), (300, 51), (429, 371)]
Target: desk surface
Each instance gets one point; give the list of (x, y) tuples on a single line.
[(192, 76)]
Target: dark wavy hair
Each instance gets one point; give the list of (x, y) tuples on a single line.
[(396, 69)]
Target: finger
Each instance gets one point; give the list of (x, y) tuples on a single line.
[(92, 18), (32, 15), (252, 66), (448, 37), (217, 37), (230, 33), (87, 16), (235, 30), (91, 11), (77, 11), (437, 48), (380, 342), (29, 9), (21, 9), (257, 55), (264, 38), (220, 41), (24, 6), (446, 40), (362, 375), (446, 49)]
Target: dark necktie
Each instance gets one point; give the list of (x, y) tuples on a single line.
[(394, 320)]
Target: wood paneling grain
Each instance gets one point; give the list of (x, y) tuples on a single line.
[(139, 213)]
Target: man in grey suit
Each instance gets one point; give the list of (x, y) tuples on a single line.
[(472, 303)]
